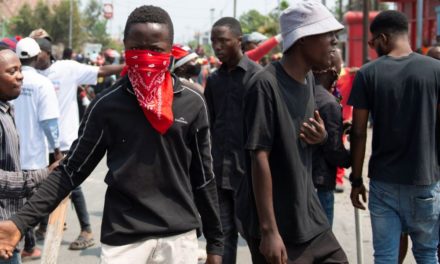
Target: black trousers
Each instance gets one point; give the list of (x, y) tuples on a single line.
[(323, 248)]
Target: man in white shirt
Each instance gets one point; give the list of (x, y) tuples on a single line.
[(36, 118), (66, 76)]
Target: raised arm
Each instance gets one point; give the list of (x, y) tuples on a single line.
[(108, 70)]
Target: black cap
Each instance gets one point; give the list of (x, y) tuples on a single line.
[(45, 45)]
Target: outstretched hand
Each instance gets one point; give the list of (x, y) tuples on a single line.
[(9, 238), (313, 132)]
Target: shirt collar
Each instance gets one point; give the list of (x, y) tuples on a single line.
[(243, 64), (4, 106), (28, 68)]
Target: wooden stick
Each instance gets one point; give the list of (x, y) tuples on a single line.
[(54, 233)]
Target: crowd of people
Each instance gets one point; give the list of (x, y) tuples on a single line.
[(222, 146)]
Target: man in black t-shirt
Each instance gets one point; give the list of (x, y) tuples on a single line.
[(279, 205), (402, 91)]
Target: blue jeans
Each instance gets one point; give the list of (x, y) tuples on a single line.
[(397, 208), (16, 259), (327, 200)]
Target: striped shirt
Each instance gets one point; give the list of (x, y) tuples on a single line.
[(15, 184)]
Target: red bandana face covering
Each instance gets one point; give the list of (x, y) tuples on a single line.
[(152, 83)]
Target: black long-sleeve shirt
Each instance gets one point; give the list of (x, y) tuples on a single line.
[(224, 94), (332, 154), (155, 182)]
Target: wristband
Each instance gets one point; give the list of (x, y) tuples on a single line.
[(355, 181)]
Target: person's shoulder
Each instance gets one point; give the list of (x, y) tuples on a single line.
[(190, 90), (371, 65), (426, 61), (191, 85), (37, 79), (113, 94), (252, 65), (263, 81), (266, 75), (43, 81)]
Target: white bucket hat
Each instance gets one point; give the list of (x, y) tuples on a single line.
[(27, 48), (306, 18)]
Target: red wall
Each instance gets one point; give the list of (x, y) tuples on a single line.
[(353, 21)]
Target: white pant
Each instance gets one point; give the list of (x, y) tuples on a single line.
[(179, 249)]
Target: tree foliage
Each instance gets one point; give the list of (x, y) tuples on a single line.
[(266, 24), (94, 24), (87, 26)]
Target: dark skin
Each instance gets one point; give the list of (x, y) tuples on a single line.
[(434, 52), (313, 51), (227, 46), (151, 36), (11, 77), (394, 45)]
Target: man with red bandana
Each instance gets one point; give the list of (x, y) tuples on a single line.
[(155, 133)]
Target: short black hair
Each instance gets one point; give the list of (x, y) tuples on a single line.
[(149, 14), (67, 54), (230, 22), (389, 22)]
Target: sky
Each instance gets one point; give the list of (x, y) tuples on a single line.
[(189, 16)]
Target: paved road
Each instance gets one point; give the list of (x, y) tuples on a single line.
[(94, 189)]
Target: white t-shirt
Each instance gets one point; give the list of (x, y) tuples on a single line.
[(66, 76), (37, 102)]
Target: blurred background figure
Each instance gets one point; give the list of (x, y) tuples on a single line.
[(187, 66)]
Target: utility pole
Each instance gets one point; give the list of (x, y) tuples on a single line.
[(212, 15), (70, 24), (235, 8), (365, 21), (340, 11), (419, 24)]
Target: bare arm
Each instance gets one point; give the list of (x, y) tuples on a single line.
[(358, 141), (272, 246), (108, 70)]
